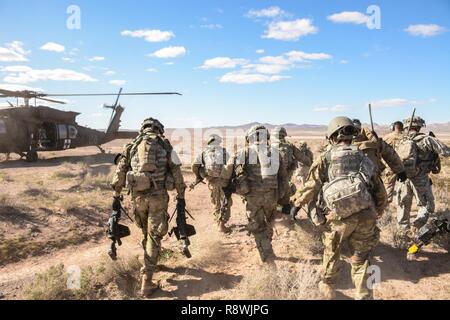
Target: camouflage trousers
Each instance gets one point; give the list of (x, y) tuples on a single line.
[(260, 207), (421, 189), (362, 235), (150, 213), (217, 196), (390, 180)]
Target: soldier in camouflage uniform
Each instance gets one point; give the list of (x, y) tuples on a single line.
[(209, 165), (291, 156), (149, 168), (392, 139), (350, 186), (419, 185), (378, 151), (254, 172)]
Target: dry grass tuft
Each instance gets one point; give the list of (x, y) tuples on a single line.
[(298, 282)]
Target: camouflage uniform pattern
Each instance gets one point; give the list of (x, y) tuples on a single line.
[(215, 184), (150, 206), (389, 177), (262, 194), (359, 230), (419, 186), (291, 156)]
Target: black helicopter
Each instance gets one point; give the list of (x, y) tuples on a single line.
[(28, 129)]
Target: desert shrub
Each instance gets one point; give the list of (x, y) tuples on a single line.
[(391, 233), (298, 282), (49, 285)]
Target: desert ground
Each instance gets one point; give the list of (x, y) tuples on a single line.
[(53, 217)]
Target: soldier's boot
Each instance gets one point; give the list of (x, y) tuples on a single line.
[(221, 226), (286, 209), (147, 286), (327, 291), (359, 278)]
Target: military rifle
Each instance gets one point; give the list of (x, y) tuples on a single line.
[(426, 234), (411, 121), (117, 231), (182, 230), (195, 183)]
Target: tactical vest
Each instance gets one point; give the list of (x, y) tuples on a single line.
[(214, 159), (347, 190), (149, 164), (261, 169), (426, 157), (287, 155)]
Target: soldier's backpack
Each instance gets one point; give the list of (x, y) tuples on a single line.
[(214, 159), (347, 191), (408, 152)]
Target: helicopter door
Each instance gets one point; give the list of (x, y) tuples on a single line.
[(46, 136), (66, 135), (2, 127)]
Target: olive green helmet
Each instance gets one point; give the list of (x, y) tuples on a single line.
[(214, 138), (417, 122), (153, 124), (279, 133), (255, 132), (343, 127)]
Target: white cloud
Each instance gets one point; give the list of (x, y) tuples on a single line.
[(211, 26), (354, 17), (267, 68), (260, 51), (270, 12), (118, 82), (18, 87), (290, 30), (152, 70), (171, 63), (53, 47), (96, 59), (425, 30), (249, 78), (109, 73), (67, 59), (149, 35), (280, 60), (24, 74), (302, 56), (13, 52), (343, 62), (223, 63), (169, 52), (336, 108), (400, 102)]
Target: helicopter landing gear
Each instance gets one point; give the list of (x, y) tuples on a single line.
[(31, 156)]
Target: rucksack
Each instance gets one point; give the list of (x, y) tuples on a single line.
[(347, 191), (214, 159), (408, 152)]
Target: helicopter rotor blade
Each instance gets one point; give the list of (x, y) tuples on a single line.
[(113, 94), (50, 100)]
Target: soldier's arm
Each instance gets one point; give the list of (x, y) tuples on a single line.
[(228, 170), (316, 179), (303, 155), (391, 157), (119, 178), (438, 146), (371, 136), (174, 164), (196, 166), (379, 194)]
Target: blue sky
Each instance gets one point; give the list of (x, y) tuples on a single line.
[(234, 61)]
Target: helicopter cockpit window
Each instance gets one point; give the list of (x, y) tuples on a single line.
[(62, 131), (2, 127), (73, 132)]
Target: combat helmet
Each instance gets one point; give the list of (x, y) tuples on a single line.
[(343, 127), (255, 132), (278, 133), (417, 122), (214, 138), (152, 124)]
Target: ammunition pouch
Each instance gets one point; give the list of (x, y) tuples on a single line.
[(140, 182)]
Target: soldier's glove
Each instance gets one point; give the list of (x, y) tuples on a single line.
[(402, 177), (116, 204), (294, 212)]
